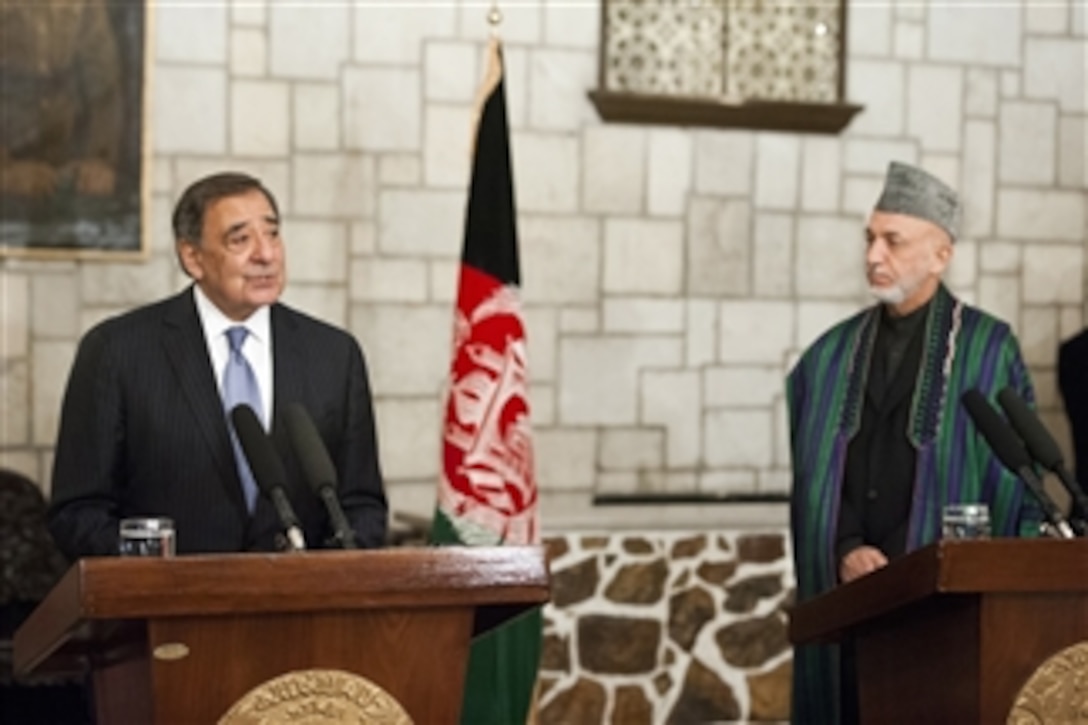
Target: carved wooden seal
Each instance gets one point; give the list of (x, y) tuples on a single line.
[(1057, 692), (317, 697)]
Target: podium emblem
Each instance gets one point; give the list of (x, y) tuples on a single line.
[(317, 697), (1057, 692)]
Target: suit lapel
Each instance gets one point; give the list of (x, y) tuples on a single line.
[(187, 351), (289, 374)]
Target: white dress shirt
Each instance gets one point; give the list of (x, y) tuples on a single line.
[(257, 347)]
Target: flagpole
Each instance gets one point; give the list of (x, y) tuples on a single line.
[(494, 19)]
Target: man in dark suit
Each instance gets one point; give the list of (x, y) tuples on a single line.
[(1073, 384), (144, 430)]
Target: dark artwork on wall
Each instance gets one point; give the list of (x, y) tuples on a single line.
[(73, 170)]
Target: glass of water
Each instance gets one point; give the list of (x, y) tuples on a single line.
[(147, 536), (965, 521)]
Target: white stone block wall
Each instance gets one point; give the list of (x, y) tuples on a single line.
[(671, 275)]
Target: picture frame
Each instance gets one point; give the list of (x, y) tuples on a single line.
[(74, 160)]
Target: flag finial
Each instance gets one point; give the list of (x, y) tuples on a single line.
[(494, 16)]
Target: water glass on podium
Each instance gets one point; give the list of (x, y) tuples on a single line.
[(147, 536), (965, 521)]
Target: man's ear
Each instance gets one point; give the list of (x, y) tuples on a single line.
[(189, 255), (945, 252)]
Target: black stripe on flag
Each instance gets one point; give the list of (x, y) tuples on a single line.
[(491, 235)]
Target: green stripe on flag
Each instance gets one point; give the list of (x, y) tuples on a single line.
[(503, 663)]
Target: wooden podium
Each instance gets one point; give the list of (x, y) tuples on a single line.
[(953, 631), (181, 640)]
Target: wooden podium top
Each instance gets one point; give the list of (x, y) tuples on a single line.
[(97, 596), (944, 567)]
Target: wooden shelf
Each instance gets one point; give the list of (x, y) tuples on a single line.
[(827, 118)]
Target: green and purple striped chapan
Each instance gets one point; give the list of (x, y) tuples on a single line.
[(965, 349)]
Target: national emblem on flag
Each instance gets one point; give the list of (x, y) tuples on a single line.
[(488, 490)]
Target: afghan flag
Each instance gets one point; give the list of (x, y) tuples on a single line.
[(487, 494)]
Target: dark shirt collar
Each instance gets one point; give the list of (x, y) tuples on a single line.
[(906, 325)]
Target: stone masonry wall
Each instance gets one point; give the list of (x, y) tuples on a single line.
[(667, 628), (670, 275)]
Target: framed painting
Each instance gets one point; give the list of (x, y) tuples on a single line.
[(73, 161)]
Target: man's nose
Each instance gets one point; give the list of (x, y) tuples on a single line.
[(876, 251), (265, 246)]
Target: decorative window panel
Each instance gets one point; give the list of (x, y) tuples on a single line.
[(783, 50), (665, 48), (754, 63)]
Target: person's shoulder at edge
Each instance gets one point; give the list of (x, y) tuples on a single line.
[(1074, 343)]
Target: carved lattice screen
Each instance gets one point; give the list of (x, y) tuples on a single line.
[(771, 56)]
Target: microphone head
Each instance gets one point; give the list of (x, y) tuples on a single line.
[(1008, 448), (268, 470), (310, 449), (1038, 440)]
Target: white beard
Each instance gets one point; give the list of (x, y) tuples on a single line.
[(901, 290), (893, 295)]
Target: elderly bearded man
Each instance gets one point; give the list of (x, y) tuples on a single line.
[(879, 439)]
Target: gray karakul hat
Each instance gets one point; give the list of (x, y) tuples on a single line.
[(911, 191)]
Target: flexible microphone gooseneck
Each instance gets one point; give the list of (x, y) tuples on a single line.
[(267, 470), (318, 469), (1010, 450), (1045, 450)]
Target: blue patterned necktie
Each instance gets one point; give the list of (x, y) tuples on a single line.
[(240, 386)]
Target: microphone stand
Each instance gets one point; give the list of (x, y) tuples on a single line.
[(1055, 522), (1079, 509)]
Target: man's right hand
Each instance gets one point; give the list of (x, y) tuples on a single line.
[(859, 562)]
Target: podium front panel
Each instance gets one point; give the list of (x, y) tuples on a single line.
[(418, 657)]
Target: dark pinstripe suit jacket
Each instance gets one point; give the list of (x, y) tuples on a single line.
[(143, 432)]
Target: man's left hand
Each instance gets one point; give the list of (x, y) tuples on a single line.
[(861, 561)]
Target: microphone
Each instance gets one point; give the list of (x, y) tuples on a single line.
[(267, 470), (1044, 449), (1011, 452), (318, 469)]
